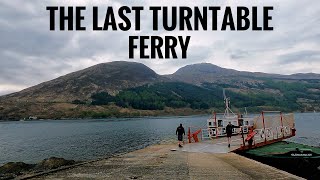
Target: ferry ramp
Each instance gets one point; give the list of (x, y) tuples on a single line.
[(167, 161), (218, 145)]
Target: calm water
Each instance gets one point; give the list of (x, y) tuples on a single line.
[(33, 141)]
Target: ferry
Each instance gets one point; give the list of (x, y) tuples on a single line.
[(254, 130), (217, 124)]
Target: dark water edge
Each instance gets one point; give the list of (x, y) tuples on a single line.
[(302, 167)]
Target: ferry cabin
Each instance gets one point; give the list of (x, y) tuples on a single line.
[(217, 125)]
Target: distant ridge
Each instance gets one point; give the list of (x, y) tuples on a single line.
[(206, 72)]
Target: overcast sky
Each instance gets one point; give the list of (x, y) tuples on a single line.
[(31, 54)]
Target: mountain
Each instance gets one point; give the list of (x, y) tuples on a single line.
[(206, 72), (110, 77), (132, 89), (287, 92)]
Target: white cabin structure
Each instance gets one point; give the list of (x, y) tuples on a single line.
[(216, 125)]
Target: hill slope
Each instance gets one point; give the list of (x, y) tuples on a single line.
[(110, 77)]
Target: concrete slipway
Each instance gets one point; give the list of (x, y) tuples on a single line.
[(205, 160)]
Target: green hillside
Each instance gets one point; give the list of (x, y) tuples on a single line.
[(179, 95)]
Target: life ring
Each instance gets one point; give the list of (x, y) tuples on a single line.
[(250, 135), (211, 132)]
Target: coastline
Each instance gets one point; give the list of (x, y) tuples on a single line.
[(147, 114), (114, 117), (67, 111)]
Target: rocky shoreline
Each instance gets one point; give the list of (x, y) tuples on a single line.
[(12, 170), (23, 170)]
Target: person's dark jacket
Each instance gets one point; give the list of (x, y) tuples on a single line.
[(180, 130), (229, 128)]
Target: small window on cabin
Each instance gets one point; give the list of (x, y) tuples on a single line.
[(220, 123), (210, 123)]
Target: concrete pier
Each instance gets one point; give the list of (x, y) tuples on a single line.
[(171, 162)]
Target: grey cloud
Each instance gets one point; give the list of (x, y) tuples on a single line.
[(239, 54), (300, 56), (23, 70), (30, 53)]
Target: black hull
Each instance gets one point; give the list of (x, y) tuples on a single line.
[(306, 167)]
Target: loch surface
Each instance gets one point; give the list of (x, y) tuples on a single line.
[(32, 141)]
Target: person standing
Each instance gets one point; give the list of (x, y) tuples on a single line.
[(229, 131), (180, 132)]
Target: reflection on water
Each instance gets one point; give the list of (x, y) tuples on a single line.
[(33, 141)]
